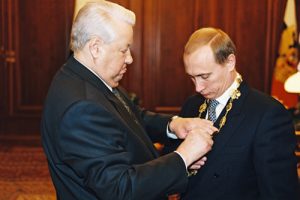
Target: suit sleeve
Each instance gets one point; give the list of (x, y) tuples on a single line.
[(93, 146), (154, 123), (274, 157)]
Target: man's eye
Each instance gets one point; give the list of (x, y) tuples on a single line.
[(204, 77), (124, 51)]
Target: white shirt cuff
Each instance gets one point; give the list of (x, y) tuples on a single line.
[(181, 158), (170, 134)]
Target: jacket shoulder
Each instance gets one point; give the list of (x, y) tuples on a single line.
[(191, 106)]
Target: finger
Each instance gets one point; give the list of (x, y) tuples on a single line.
[(197, 165), (194, 167), (209, 129), (205, 130), (204, 121), (204, 158), (213, 130), (195, 123), (201, 161)]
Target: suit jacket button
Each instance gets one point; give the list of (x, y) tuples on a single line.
[(216, 175)]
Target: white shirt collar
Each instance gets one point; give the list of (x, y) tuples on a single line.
[(227, 94), (223, 99)]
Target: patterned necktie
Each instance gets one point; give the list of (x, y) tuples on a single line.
[(212, 110), (117, 94)]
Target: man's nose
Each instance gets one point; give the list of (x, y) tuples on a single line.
[(199, 86), (128, 58)]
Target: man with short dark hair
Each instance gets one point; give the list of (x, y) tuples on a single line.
[(253, 155)]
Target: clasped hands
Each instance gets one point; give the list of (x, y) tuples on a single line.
[(197, 134)]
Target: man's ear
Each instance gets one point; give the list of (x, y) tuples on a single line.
[(95, 46), (230, 62)]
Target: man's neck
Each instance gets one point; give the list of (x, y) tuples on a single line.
[(81, 60)]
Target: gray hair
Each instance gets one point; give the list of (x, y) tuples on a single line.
[(97, 19)]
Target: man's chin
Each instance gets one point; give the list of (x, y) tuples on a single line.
[(114, 84), (208, 96)]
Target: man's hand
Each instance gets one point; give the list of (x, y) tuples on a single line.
[(196, 144), (198, 164), (182, 126)]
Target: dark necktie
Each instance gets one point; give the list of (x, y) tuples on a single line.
[(212, 110), (117, 94)]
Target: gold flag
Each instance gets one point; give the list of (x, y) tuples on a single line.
[(286, 63)]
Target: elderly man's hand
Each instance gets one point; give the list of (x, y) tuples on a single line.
[(182, 126), (198, 164), (196, 144)]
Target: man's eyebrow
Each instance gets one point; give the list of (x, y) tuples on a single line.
[(203, 74)]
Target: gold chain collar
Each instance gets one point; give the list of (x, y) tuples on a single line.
[(235, 95), (202, 108)]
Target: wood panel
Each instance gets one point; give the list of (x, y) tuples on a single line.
[(167, 30), (249, 20), (175, 27), (149, 56), (7, 57), (132, 81), (34, 39), (3, 86), (240, 21), (36, 36), (135, 79), (47, 39), (157, 74)]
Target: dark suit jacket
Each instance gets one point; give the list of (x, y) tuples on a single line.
[(253, 154), (95, 149)]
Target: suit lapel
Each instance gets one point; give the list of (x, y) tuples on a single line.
[(136, 128), (234, 118), (112, 104)]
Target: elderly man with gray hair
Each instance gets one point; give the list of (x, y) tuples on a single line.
[(96, 141)]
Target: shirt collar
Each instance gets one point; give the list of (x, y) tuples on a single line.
[(227, 94)]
